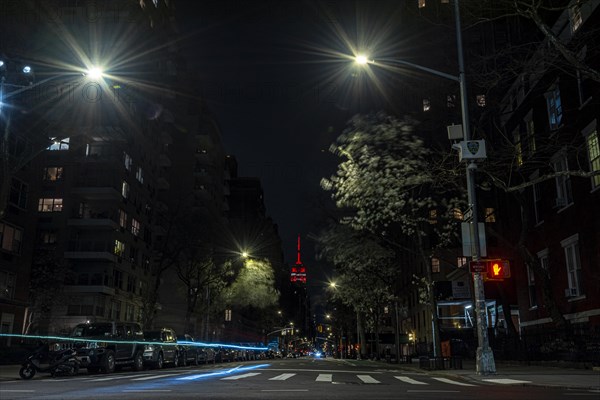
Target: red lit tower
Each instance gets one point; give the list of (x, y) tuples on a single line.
[(298, 274)]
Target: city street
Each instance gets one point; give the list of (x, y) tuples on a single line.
[(282, 379)]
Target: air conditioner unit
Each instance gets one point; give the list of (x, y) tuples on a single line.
[(570, 292), (560, 202)]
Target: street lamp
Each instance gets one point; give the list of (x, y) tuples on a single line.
[(485, 357)]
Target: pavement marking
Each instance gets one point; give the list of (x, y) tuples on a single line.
[(16, 391), (320, 370), (505, 381), (145, 378), (446, 380), (433, 391), (284, 390), (236, 377), (324, 378), (367, 379), (410, 380), (281, 377), (112, 378), (144, 390)]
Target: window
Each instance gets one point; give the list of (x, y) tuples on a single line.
[(129, 312), (48, 237), (530, 129), (53, 173), (10, 238), (461, 262), (435, 265), (128, 161), (426, 105), (50, 205), (481, 100), (451, 101), (433, 217), (575, 17), (593, 147), (131, 283), (139, 175), (18, 194), (573, 263), (117, 279), (457, 214), (518, 147), (133, 256), (135, 227), (554, 104), (125, 190), (59, 144), (115, 310), (421, 3), (531, 285), (490, 215), (122, 219), (119, 249), (564, 195), (7, 285)]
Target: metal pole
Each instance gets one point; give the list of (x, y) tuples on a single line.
[(485, 357)]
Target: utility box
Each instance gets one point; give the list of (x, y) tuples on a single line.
[(471, 150)]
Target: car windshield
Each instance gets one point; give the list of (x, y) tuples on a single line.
[(153, 336), (92, 330)]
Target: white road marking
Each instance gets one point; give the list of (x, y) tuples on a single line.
[(281, 377), (112, 378), (367, 379), (410, 380), (284, 390), (324, 378), (144, 390), (505, 381), (16, 391), (446, 380), (145, 378), (433, 391), (236, 377)]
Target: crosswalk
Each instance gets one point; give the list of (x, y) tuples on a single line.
[(364, 378)]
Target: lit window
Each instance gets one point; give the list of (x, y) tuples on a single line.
[(135, 227), (125, 190), (10, 238), (53, 173), (48, 237), (575, 17), (518, 146), (50, 205), (7, 284), (593, 146), (59, 144), (426, 105), (128, 161), (457, 214), (554, 104), (119, 249), (461, 262), (122, 219), (573, 263), (435, 265), (481, 100), (564, 195), (490, 215), (433, 217), (421, 3), (18, 194), (139, 175)]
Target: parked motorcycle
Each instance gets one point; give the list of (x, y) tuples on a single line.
[(63, 362)]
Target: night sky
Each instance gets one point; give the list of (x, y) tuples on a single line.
[(278, 77)]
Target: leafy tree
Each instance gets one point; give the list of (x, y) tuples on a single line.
[(254, 286), (389, 183)]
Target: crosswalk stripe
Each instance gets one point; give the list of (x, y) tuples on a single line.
[(505, 381), (324, 378), (446, 380), (146, 378), (367, 379), (281, 377), (236, 377), (410, 380), (112, 378)]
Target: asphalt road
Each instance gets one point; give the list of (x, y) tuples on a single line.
[(306, 378)]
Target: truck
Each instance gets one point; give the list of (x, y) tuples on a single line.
[(108, 345)]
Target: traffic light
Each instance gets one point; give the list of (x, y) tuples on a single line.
[(497, 270)]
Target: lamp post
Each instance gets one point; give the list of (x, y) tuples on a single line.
[(485, 357)]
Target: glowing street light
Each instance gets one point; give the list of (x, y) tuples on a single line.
[(95, 73), (361, 59)]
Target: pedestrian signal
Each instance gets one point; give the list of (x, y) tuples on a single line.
[(497, 270)]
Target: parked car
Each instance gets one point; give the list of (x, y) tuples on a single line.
[(208, 355), (224, 354), (162, 349), (117, 344), (188, 352)]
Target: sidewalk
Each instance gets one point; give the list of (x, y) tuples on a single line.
[(565, 378)]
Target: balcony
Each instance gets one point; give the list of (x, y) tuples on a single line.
[(94, 221), (96, 193), (90, 289), (91, 250)]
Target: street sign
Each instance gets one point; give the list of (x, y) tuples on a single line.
[(468, 215), (478, 266)]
